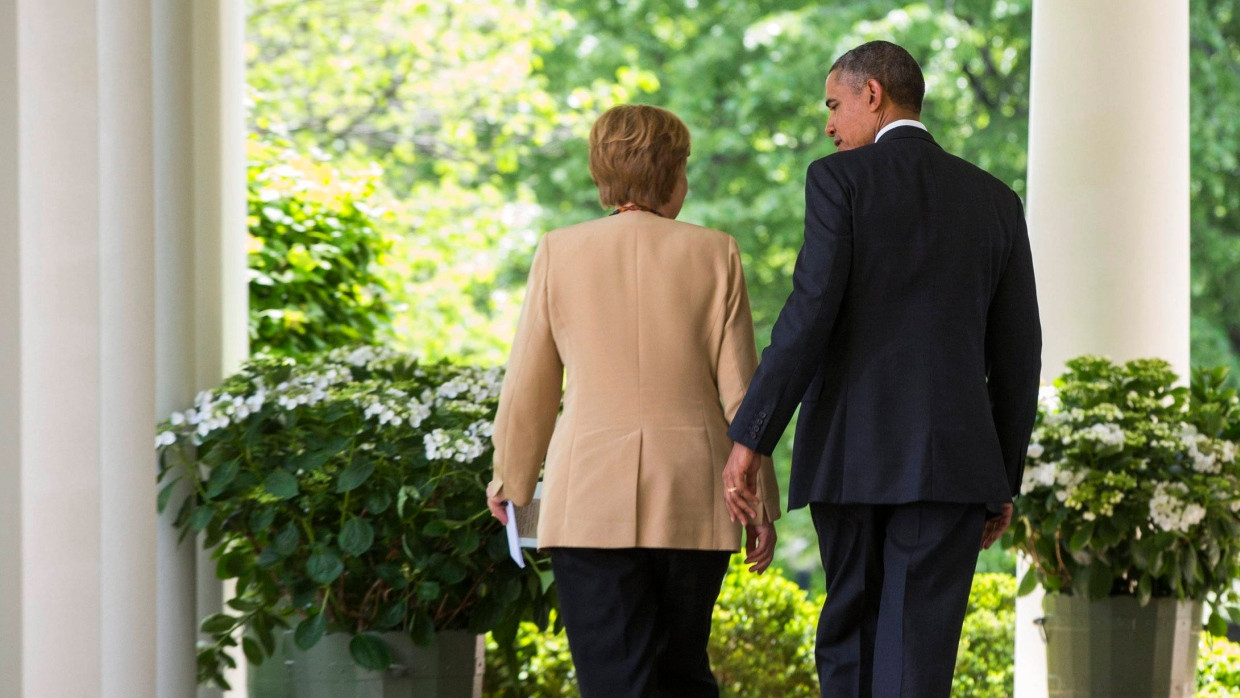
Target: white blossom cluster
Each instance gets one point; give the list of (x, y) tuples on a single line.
[(211, 412), (1048, 399), (1170, 512), (396, 407), (1055, 474), (364, 356), (466, 392), (1101, 434), (442, 445), (474, 386), (1208, 455)]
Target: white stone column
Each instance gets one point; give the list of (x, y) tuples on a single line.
[(202, 301), (122, 292), (10, 363), (78, 195), (176, 342), (1108, 200), (1108, 178), (221, 283)]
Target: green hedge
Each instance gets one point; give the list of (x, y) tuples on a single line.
[(762, 644), (1218, 668)]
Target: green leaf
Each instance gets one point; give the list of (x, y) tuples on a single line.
[(356, 536), (324, 566), (261, 519), (466, 540), (266, 635), (310, 630), (268, 557), (244, 605), (221, 477), (421, 630), (234, 564), (286, 541), (1028, 583), (282, 484), (378, 501), (428, 591), (354, 476), (370, 652), (1217, 625), (201, 518), (451, 572), (1189, 569), (165, 493), (1081, 537), (1100, 580), (311, 460), (253, 651), (393, 614), (1145, 588), (218, 623)]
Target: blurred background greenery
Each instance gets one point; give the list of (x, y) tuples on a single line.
[(407, 154)]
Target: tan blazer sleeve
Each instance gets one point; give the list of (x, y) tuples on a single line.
[(530, 397), (738, 359)]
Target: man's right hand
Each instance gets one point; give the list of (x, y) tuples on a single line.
[(759, 546), (996, 525), (740, 484)]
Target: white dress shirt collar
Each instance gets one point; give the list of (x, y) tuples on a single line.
[(900, 122)]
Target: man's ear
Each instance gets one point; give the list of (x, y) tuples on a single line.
[(873, 94)]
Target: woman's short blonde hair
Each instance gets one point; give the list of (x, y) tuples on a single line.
[(637, 154)]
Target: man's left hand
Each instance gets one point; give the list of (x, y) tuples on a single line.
[(996, 526)]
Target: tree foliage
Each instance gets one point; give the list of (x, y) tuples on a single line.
[(477, 114), (1215, 146), (316, 251)]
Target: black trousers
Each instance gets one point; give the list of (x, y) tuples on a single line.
[(898, 579), (638, 619)]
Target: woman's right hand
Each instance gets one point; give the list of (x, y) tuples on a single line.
[(759, 546), (499, 508)]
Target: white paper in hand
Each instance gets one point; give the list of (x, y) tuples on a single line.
[(514, 542)]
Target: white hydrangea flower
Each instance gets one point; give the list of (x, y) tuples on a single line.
[(176, 418), (1170, 512), (165, 438), (1035, 450), (1048, 399), (1104, 434), (417, 413), (436, 444)]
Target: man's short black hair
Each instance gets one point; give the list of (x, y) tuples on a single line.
[(889, 64)]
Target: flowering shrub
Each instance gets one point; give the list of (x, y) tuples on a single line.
[(344, 493), (1132, 486)]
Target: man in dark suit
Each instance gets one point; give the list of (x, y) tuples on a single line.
[(912, 342)]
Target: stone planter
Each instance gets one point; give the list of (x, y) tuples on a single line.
[(1114, 648), (452, 667)]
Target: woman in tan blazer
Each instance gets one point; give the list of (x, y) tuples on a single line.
[(649, 320)]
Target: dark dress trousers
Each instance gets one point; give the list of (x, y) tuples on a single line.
[(912, 344), (638, 619)]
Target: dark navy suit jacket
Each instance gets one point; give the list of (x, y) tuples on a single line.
[(911, 337)]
